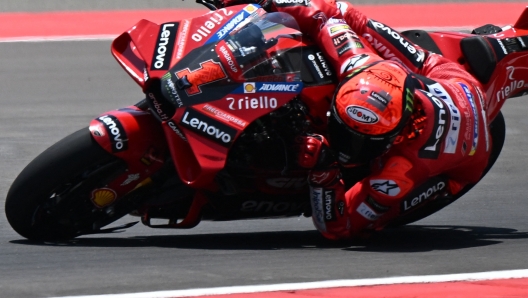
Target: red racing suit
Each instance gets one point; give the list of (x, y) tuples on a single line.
[(445, 147)]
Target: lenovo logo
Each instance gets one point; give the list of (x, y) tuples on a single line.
[(208, 127), (164, 47)]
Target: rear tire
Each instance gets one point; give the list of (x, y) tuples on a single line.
[(50, 199)]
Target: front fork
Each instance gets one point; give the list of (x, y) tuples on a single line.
[(136, 137)]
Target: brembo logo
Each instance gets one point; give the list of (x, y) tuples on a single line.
[(208, 127), (115, 130), (163, 50)]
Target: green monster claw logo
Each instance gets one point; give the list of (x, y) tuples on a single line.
[(167, 76), (409, 100)]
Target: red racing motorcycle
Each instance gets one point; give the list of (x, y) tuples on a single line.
[(227, 95)]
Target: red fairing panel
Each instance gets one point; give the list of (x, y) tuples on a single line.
[(149, 50), (135, 137)]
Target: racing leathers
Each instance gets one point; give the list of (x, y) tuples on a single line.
[(444, 147)]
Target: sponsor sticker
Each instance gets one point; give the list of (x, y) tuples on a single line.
[(103, 197), (513, 86), (473, 105), (354, 62), (318, 214), (454, 123), (379, 99), (423, 193), (224, 116), (229, 59), (262, 87), (334, 30), (115, 131), (251, 103), (431, 148), (210, 25), (386, 187), (131, 178), (162, 57), (365, 211), (414, 55), (287, 3), (329, 205), (361, 114), (250, 88), (208, 127)]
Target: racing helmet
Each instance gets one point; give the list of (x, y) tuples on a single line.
[(369, 110)]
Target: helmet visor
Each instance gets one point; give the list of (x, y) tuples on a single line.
[(353, 148)]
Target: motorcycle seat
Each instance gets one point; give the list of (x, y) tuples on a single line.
[(480, 57)]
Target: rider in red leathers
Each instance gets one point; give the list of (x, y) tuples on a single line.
[(416, 120)]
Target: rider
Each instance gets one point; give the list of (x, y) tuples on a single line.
[(416, 120)]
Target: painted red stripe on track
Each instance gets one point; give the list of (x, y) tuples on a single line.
[(84, 23), (90, 23), (445, 15), (491, 288)]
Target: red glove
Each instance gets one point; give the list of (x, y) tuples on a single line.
[(315, 154)]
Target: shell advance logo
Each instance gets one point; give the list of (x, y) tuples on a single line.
[(259, 87)]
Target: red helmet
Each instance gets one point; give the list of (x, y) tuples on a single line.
[(370, 109)]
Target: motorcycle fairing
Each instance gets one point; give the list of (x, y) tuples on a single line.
[(211, 128), (202, 67), (212, 112), (134, 136), (148, 49)]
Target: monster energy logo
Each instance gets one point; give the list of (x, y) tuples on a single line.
[(409, 100)]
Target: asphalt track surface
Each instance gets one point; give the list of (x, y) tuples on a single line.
[(51, 89)]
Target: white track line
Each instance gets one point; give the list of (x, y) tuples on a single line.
[(492, 275)]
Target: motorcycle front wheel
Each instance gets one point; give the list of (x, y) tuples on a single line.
[(51, 198)]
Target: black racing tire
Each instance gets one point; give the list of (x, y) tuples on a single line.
[(50, 198)]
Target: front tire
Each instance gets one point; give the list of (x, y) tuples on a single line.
[(50, 199)]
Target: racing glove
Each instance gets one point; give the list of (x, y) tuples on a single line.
[(315, 154), (330, 213)]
